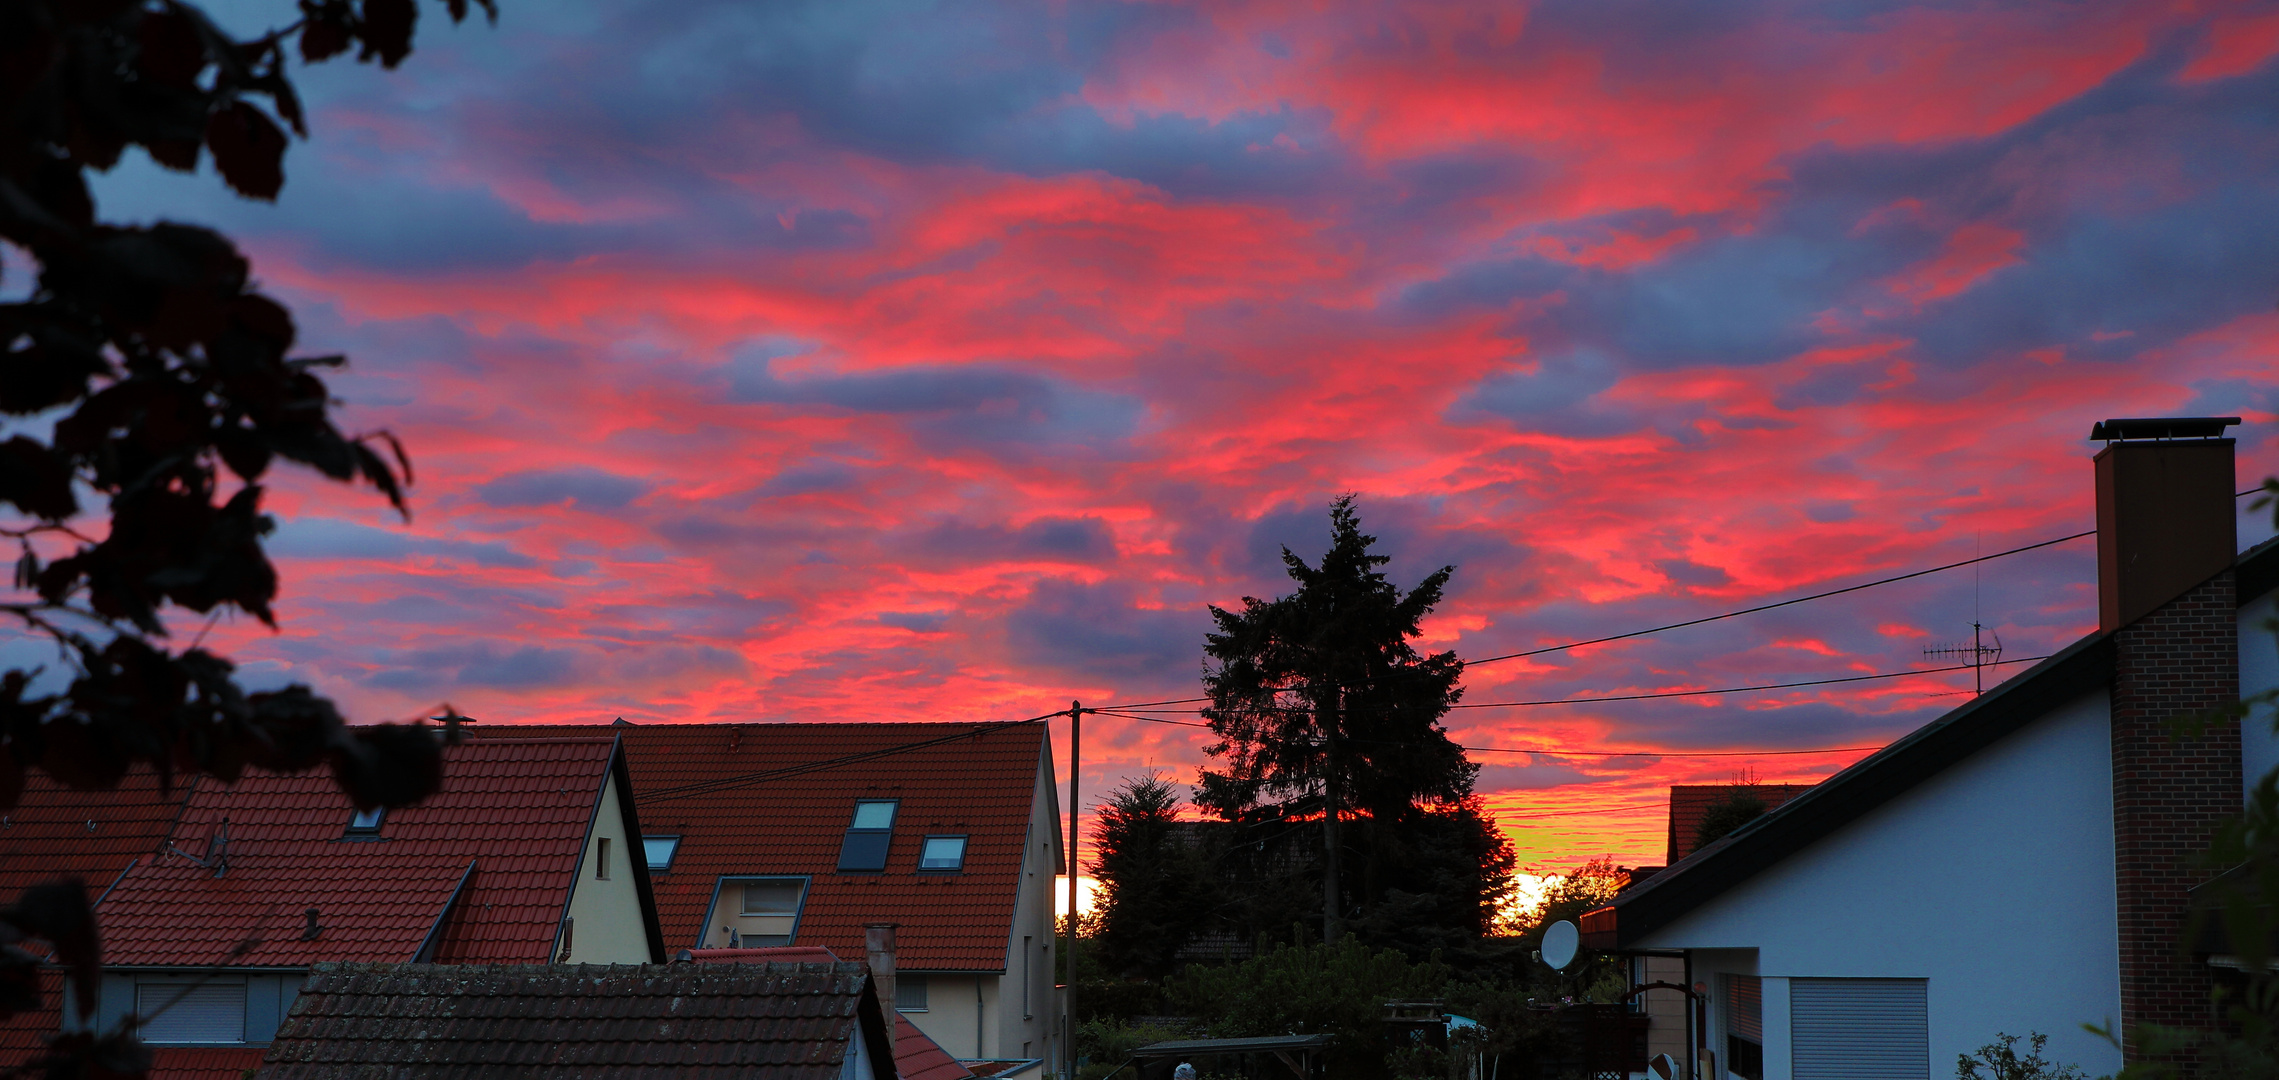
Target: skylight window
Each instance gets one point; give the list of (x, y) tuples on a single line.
[(659, 851), (942, 854), (869, 837), (366, 822)]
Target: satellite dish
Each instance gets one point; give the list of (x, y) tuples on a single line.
[(1560, 942), (1663, 1067)]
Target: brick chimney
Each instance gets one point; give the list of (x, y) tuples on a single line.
[(878, 948), (2165, 547)]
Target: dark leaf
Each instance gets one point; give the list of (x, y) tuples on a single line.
[(172, 52), (180, 155), (58, 912), (248, 149), (243, 451), (389, 764), (83, 1055), (324, 38), (377, 471), (61, 190), (387, 30), (36, 479), (292, 729), (458, 9), (288, 104), (19, 980)]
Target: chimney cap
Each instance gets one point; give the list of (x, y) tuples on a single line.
[(2169, 427)]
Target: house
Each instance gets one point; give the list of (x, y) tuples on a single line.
[(526, 855), (763, 835), (774, 1021), (2021, 864)]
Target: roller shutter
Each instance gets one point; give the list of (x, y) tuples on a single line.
[(201, 1013), (1860, 1029)]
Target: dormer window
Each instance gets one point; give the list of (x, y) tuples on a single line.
[(868, 837), (942, 855), (366, 823)]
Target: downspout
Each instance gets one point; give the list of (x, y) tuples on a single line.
[(977, 1017)]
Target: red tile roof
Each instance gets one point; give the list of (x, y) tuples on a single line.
[(55, 832), (1689, 803), (516, 811), (789, 818), (205, 1062), (917, 1057), (25, 1034), (561, 1022)]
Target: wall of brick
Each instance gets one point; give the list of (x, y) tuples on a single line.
[(2169, 794)]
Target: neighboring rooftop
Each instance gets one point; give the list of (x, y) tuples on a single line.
[(1690, 803), (503, 836), (690, 1021), (55, 831), (748, 799)]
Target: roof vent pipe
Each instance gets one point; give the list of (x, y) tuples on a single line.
[(2165, 520), (878, 947)]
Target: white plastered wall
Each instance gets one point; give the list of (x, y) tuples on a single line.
[(1994, 880), (607, 927), (2258, 672), (986, 1016)]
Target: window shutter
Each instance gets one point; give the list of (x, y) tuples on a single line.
[(210, 1013), (1745, 1007), (1860, 1029)]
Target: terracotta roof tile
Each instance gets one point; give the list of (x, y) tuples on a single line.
[(54, 831), (979, 780), (516, 810), (759, 1021), (1689, 803), (204, 1062)]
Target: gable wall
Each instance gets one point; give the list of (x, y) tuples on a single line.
[(1994, 880), (609, 928)]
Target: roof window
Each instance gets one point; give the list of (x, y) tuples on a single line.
[(868, 837), (366, 823), (942, 855), (659, 851), (758, 912)]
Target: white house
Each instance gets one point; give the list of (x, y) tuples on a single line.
[(2020, 864)]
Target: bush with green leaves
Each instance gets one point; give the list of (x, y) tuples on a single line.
[(1999, 1060)]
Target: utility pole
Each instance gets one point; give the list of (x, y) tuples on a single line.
[(1068, 991), (1332, 900)]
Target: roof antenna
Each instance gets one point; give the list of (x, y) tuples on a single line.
[(1978, 654)]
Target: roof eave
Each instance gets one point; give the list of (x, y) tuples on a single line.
[(1849, 795)]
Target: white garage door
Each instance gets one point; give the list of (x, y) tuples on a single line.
[(1860, 1029)]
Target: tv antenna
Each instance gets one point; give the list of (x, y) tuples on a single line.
[(1975, 652)]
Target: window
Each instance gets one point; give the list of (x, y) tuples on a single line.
[(767, 912), (180, 1012), (910, 993), (366, 822), (868, 838), (942, 853), (1026, 976), (1744, 1026), (659, 851), (601, 859)]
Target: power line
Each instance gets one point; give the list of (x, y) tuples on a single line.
[(1776, 604), (1742, 689), (1708, 618), (1581, 753)]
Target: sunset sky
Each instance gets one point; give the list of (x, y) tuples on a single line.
[(841, 361)]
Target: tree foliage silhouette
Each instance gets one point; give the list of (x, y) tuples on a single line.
[(1322, 705), (143, 368), (1154, 886)]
